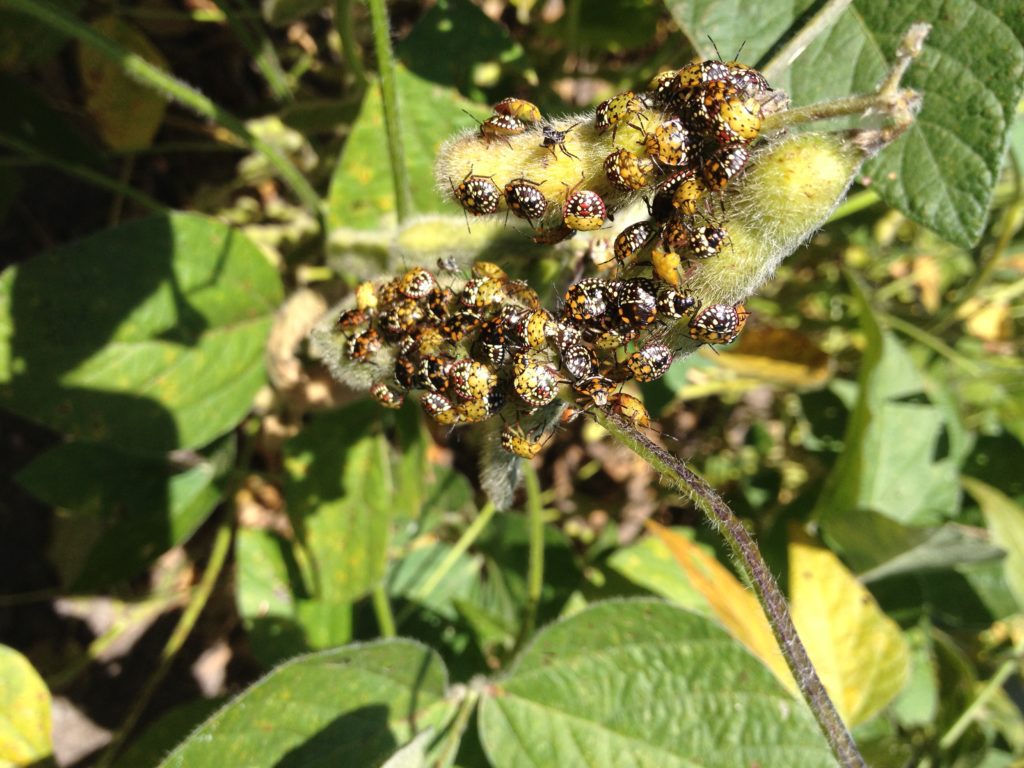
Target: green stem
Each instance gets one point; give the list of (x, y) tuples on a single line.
[(382, 609), (932, 342), (349, 46), (262, 51), (754, 568), (464, 543), (844, 107), (818, 23), (172, 89), (453, 738), (85, 173), (535, 557), (855, 204), (218, 556), (389, 98), (993, 686)]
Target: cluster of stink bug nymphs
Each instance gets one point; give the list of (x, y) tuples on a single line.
[(677, 146), (471, 344), (476, 346)]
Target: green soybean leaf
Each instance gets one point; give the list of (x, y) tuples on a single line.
[(733, 27), (644, 683), (24, 713), (347, 706), (477, 50), (119, 512), (878, 547), (650, 563), (943, 170), (166, 732), (269, 587), (898, 456), (149, 336), (362, 195), (1005, 519)]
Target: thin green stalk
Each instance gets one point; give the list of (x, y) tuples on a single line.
[(750, 561), (465, 541), (392, 116), (349, 46), (382, 609), (140, 613), (445, 754), (855, 204), (932, 342), (535, 556), (261, 49), (172, 89), (818, 23), (85, 173), (200, 596), (993, 686)]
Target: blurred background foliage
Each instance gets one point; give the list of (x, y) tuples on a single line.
[(189, 499)]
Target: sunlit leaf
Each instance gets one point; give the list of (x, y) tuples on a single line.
[(860, 653), (348, 706), (362, 191), (643, 683), (149, 336), (943, 170), (778, 355), (898, 451), (1005, 519), (650, 563), (24, 713), (735, 606)]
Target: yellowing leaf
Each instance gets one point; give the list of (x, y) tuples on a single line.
[(778, 355), (735, 606), (126, 114), (860, 653), (988, 322), (24, 712)]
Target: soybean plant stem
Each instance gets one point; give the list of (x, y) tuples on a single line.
[(349, 46), (392, 114), (749, 559), (535, 565)]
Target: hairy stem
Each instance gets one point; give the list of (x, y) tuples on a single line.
[(392, 116), (749, 559), (172, 89), (349, 46)]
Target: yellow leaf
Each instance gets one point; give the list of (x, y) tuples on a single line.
[(734, 605), (860, 653), (24, 712), (778, 355), (126, 114)]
